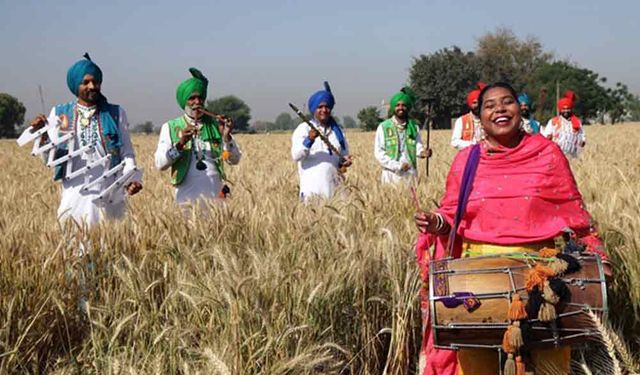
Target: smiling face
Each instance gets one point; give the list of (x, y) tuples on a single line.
[(323, 113), (400, 111), (500, 117)]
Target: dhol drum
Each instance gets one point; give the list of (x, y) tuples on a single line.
[(470, 299)]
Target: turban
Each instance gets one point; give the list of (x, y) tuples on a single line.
[(475, 94), (405, 96), (76, 73), (567, 100), (322, 96), (198, 83), (524, 99)]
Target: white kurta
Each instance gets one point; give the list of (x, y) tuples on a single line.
[(78, 204), (317, 167), (569, 140), (197, 184), (392, 168), (456, 137)]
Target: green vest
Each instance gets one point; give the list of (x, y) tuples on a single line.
[(391, 140), (208, 133)]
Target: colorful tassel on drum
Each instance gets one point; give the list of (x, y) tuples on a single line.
[(517, 310), (510, 365), (537, 276), (547, 311), (520, 368)]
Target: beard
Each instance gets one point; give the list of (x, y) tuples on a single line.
[(525, 113), (566, 114)]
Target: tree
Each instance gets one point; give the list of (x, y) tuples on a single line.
[(446, 75), (262, 126), (369, 118), (233, 107), (503, 57), (146, 128), (349, 123), (284, 121), (592, 98), (11, 115)]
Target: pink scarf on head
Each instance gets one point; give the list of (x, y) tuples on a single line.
[(522, 195)]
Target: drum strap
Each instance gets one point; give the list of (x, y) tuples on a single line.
[(465, 190)]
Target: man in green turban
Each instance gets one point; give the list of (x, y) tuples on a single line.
[(398, 143), (195, 145)]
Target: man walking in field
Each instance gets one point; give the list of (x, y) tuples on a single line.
[(319, 167), (196, 146), (397, 144), (566, 129), (530, 125), (101, 128), (467, 130)]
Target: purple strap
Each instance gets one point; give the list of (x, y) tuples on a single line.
[(465, 191), (468, 299)]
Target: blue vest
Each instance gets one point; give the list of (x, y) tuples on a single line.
[(111, 138)]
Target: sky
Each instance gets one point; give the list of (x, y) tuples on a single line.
[(270, 53)]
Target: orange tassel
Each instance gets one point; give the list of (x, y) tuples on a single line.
[(226, 155), (517, 310), (537, 276), (548, 252), (520, 369), (506, 342)]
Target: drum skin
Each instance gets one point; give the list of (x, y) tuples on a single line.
[(492, 280)]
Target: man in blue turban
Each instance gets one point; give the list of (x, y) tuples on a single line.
[(530, 125), (319, 167), (100, 142)]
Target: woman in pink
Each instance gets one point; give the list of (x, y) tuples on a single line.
[(523, 195)]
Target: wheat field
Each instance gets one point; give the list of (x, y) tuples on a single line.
[(263, 284)]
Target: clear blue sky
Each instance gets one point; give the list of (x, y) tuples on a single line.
[(272, 52)]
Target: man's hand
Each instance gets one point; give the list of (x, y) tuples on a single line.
[(347, 161), (225, 124), (38, 122), (185, 136), (425, 153), (134, 187), (313, 134), (405, 167)]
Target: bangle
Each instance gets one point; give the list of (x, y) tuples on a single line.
[(439, 222)]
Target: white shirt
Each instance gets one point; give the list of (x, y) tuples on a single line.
[(317, 167), (77, 204), (197, 184), (456, 137), (569, 140), (391, 168)]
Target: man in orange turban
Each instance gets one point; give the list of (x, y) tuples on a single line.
[(566, 129), (466, 130)]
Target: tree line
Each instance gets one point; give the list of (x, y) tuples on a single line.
[(445, 76)]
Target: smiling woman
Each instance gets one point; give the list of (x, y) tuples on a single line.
[(520, 195)]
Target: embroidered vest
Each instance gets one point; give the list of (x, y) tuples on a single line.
[(468, 127), (391, 140), (108, 118), (209, 133)]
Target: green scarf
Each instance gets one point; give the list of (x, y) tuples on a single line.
[(391, 140), (209, 133)]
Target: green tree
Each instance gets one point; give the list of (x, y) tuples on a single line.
[(369, 118), (446, 75), (502, 57), (284, 121), (11, 115), (633, 108), (592, 97), (145, 127), (233, 107), (349, 123)]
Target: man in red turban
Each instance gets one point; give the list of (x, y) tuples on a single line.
[(566, 129), (467, 130)]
